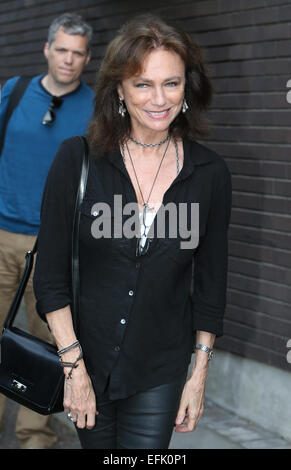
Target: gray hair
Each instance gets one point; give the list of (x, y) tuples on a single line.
[(71, 23)]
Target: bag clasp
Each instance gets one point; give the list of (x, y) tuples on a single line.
[(19, 386)]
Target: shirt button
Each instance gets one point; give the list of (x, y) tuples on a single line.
[(130, 292), (95, 213), (116, 348), (123, 321)]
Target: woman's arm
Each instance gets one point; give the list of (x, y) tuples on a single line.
[(52, 276), (79, 396), (201, 357), (192, 400), (209, 297)]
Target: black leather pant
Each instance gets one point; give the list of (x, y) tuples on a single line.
[(142, 421)]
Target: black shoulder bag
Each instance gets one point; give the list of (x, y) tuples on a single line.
[(30, 369)]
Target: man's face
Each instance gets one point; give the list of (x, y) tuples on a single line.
[(67, 56)]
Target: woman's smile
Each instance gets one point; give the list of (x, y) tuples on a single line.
[(158, 114), (154, 97)]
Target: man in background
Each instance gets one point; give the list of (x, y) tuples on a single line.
[(55, 106)]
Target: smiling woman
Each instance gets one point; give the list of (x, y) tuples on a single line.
[(139, 318), (133, 60), (154, 98)]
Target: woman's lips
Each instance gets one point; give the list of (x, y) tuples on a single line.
[(158, 114)]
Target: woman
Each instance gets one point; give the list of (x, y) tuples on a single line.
[(138, 313)]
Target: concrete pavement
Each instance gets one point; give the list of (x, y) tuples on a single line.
[(217, 429)]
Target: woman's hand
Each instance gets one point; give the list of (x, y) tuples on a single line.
[(192, 400), (79, 398), (191, 403)]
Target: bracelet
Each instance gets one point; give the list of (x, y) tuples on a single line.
[(208, 351), (69, 348), (73, 365)]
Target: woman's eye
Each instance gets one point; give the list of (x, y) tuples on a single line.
[(141, 85), (172, 84)]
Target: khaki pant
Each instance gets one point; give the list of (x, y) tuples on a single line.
[(32, 429)]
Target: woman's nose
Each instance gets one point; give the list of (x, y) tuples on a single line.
[(158, 96)]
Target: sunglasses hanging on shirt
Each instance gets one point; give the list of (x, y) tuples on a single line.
[(50, 115)]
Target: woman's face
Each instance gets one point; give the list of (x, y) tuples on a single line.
[(155, 97)]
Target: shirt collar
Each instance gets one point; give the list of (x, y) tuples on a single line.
[(195, 154), (61, 96)]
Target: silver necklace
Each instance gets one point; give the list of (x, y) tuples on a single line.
[(146, 206), (150, 145), (177, 155)]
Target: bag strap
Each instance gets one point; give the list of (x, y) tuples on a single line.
[(75, 238), (14, 308), (15, 96)]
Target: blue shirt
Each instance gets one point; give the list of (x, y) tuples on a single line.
[(30, 148)]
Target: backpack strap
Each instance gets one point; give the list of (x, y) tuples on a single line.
[(15, 97)]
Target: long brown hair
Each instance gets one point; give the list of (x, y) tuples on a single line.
[(124, 57)]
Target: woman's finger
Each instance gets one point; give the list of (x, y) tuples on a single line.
[(192, 422), (187, 425), (91, 419), (81, 420), (180, 415), (74, 418)]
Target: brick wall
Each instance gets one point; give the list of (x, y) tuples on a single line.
[(248, 45)]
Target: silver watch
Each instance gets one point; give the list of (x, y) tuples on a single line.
[(208, 351)]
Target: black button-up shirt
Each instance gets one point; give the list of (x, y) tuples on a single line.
[(138, 315)]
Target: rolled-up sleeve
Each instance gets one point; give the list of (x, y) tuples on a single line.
[(52, 276), (211, 260)]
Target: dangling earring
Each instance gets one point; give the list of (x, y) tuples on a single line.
[(185, 106), (122, 108)]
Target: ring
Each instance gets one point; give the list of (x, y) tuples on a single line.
[(69, 416)]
